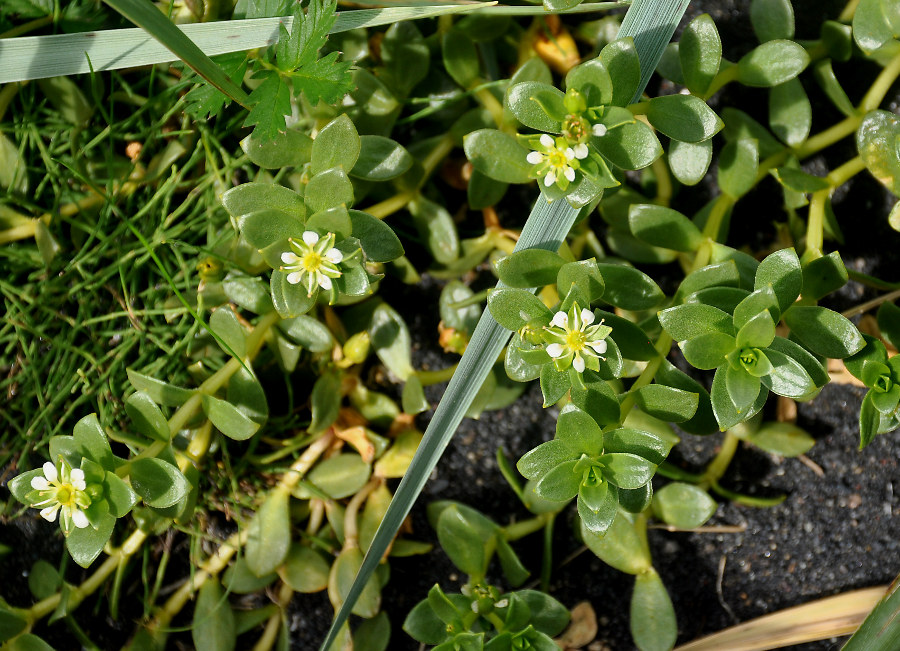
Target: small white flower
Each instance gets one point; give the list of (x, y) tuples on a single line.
[(573, 339), (556, 161), (312, 262), (62, 491)]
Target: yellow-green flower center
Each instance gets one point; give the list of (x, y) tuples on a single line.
[(65, 495), (557, 158), (311, 261), (575, 340)]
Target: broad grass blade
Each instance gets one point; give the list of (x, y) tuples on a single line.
[(146, 15), (37, 57)]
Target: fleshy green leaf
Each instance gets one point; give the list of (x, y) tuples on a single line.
[(254, 197), (683, 505), (683, 117), (213, 625), (498, 155), (380, 159), (652, 615), (228, 419), (269, 534), (772, 63), (628, 288), (824, 331), (663, 227), (530, 268), (738, 164), (690, 161), (700, 51), (158, 482), (537, 105), (772, 19), (336, 145), (667, 403), (790, 113), (876, 141)]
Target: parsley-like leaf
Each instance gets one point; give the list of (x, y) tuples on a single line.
[(204, 99), (298, 66), (271, 101), (318, 79)]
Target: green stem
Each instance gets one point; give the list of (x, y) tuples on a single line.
[(882, 85), (427, 378), (547, 557), (30, 26), (815, 230), (717, 467), (516, 530), (868, 305), (725, 76), (663, 344), (210, 386)]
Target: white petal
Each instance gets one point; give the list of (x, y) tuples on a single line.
[(79, 518), (79, 485), (49, 514), (560, 320), (578, 364), (295, 277), (310, 238), (39, 483), (334, 256), (581, 151), (289, 257), (547, 141), (555, 350), (570, 153), (50, 471), (534, 157), (587, 317), (569, 172), (598, 347), (550, 179), (324, 282), (599, 130), (77, 475)]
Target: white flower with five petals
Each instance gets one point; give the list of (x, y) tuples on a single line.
[(62, 491), (573, 339), (313, 261), (556, 161)]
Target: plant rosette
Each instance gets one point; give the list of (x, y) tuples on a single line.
[(881, 374), (80, 489), (734, 332), (603, 469)]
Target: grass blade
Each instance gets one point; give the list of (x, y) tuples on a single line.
[(37, 57), (817, 620), (881, 629), (651, 23), (546, 227), (147, 16)]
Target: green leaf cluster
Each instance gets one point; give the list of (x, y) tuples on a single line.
[(727, 322), (596, 466)]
